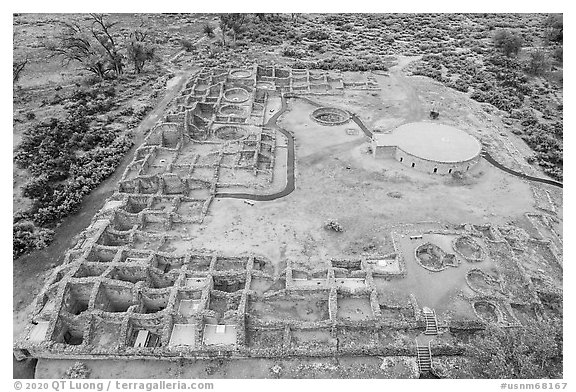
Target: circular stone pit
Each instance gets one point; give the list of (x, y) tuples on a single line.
[(434, 258), (230, 133), (486, 311), (330, 116), (266, 86), (236, 95), (241, 73), (232, 110), (481, 282), (468, 248)]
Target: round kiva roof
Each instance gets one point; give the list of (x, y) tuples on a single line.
[(432, 141)]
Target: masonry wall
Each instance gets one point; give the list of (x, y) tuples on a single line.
[(420, 164), (423, 165), (383, 152)]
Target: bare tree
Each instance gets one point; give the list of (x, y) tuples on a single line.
[(92, 47), (208, 30), (238, 25), (17, 69), (223, 27), (235, 23), (74, 45), (139, 50), (101, 31)]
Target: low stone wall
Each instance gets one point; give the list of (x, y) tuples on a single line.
[(434, 167), (330, 116)]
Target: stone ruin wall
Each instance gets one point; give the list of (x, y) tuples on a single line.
[(122, 276), (104, 287)]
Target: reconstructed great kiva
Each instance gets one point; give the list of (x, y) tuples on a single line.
[(429, 147)]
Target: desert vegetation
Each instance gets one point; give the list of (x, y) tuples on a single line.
[(531, 352), (73, 137), (512, 62)]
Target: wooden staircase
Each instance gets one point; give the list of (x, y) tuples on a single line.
[(431, 322), (424, 358), (423, 350)]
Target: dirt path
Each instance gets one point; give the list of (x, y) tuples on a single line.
[(415, 109), (289, 167), (28, 270)]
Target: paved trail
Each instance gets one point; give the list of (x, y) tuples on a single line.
[(289, 168), (497, 164), (290, 180)]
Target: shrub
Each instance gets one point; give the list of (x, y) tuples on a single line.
[(188, 45), (316, 47), (27, 237), (68, 158), (558, 54), (538, 63), (333, 225), (534, 351), (77, 371), (318, 35), (554, 28), (503, 99), (293, 52), (346, 27), (507, 42), (85, 174), (208, 29), (347, 44), (460, 85)]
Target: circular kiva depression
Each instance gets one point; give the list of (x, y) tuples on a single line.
[(481, 282), (236, 95), (230, 133), (266, 85), (330, 116), (232, 110), (433, 258), (429, 147), (486, 311), (468, 248), (241, 73)]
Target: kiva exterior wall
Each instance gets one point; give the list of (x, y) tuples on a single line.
[(423, 165), (433, 167), (383, 151)]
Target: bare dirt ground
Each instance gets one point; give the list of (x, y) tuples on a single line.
[(336, 178), (304, 368)]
